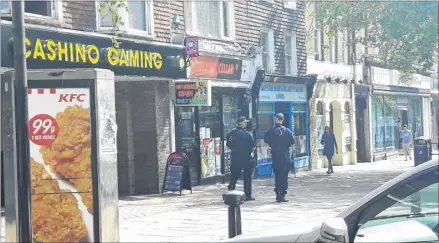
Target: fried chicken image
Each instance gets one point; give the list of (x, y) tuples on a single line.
[(55, 213), (69, 156)]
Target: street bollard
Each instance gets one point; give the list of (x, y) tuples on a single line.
[(234, 199)]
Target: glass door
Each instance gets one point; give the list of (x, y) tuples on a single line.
[(187, 140), (300, 131), (230, 115)]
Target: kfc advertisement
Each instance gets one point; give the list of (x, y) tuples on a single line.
[(61, 167)]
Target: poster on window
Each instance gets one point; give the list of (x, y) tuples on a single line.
[(263, 152), (60, 165)]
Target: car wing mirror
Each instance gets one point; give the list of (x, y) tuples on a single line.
[(334, 230)]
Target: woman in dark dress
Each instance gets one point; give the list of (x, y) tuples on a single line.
[(329, 144)]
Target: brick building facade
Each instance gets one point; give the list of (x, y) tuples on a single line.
[(145, 109)]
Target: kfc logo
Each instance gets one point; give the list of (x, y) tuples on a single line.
[(71, 97)]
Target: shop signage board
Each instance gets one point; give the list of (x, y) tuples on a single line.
[(277, 92), (60, 162), (50, 49), (193, 93), (177, 175), (216, 67)]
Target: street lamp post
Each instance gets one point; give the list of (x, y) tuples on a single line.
[(21, 112)]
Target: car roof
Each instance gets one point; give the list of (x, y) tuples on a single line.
[(389, 184)]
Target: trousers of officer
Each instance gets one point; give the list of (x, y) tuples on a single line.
[(281, 168), (241, 161)]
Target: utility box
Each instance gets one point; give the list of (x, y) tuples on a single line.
[(71, 158), (422, 151)]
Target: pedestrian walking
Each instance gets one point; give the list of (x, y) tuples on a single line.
[(329, 143), (280, 139), (406, 141), (241, 144)]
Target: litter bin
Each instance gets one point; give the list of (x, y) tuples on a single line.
[(422, 150)]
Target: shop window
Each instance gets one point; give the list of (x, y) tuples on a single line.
[(347, 113), (210, 139), (290, 4), (391, 123), (319, 108), (137, 18), (280, 107), (265, 107), (301, 107), (290, 49), (320, 125), (213, 19), (378, 123), (38, 8), (267, 50)]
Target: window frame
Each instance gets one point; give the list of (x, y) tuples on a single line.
[(271, 59), (56, 12), (293, 46), (193, 30), (125, 28), (290, 4)]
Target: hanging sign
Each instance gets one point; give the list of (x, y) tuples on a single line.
[(195, 93), (191, 44)]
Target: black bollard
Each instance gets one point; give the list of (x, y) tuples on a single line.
[(234, 199)]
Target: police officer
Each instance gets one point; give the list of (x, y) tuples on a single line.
[(280, 139), (242, 144)]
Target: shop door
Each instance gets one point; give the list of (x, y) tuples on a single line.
[(299, 125), (187, 140), (284, 108)]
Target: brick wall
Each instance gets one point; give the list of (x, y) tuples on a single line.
[(79, 15), (252, 15)]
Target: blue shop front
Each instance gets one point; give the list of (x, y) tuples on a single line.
[(291, 100)]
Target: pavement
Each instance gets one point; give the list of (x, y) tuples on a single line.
[(202, 216)]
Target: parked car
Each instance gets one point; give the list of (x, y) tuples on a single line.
[(405, 209)]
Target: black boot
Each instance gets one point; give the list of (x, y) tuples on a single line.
[(277, 196), (249, 198), (282, 198)]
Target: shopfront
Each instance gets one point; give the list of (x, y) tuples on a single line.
[(143, 73), (290, 100), (390, 111), (201, 129)]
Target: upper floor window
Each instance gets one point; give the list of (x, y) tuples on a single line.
[(212, 19), (136, 18), (290, 54), (318, 44), (333, 48), (290, 4), (319, 109), (41, 10), (267, 50)]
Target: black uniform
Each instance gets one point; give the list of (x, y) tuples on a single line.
[(241, 144), (280, 139)]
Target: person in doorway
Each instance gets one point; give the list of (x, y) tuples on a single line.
[(280, 139), (329, 144), (241, 144), (406, 141)]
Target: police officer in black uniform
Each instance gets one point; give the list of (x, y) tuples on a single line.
[(242, 144), (280, 139)]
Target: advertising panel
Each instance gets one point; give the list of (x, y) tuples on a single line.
[(61, 165), (198, 93)]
